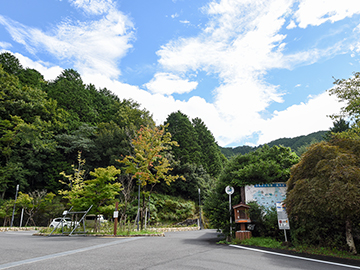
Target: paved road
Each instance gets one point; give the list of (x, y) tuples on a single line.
[(178, 250)]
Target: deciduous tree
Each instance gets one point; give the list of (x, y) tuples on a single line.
[(326, 183), (348, 91), (150, 165)]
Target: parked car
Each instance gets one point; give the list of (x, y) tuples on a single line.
[(90, 219), (65, 222)]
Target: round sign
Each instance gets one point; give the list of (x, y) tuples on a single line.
[(229, 190)]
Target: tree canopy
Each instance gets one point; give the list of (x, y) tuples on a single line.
[(325, 183), (347, 91), (265, 165)]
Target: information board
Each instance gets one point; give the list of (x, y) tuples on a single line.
[(266, 194), (283, 220)]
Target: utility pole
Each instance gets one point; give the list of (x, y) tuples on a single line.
[(200, 209), (12, 219), (230, 190), (138, 214)]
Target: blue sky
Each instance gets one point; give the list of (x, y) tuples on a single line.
[(253, 71)]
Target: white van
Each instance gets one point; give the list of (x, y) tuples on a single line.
[(91, 218)]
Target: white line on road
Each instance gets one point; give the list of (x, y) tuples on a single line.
[(295, 257), (65, 253)]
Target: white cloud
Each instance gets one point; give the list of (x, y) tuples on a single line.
[(301, 119), (94, 46), (167, 84), (174, 15), (49, 71), (5, 45), (95, 7), (316, 12), (240, 47), (291, 25)]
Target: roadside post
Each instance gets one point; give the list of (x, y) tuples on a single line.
[(283, 220), (230, 190), (116, 215), (199, 209), (12, 219)]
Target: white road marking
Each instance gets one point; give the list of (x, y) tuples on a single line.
[(296, 257), (65, 253)]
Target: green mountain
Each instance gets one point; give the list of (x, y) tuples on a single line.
[(297, 144)]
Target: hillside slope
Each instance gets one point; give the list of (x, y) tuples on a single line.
[(294, 143)]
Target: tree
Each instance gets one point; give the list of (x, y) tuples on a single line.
[(211, 157), (265, 165), (110, 141), (10, 63), (150, 165), (100, 191), (347, 90), (28, 123), (196, 177), (33, 202), (6, 210), (183, 132), (71, 94), (339, 125), (325, 184), (31, 78), (75, 184)]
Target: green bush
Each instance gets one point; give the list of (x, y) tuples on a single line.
[(169, 208), (265, 220)]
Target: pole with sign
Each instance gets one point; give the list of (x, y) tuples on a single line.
[(283, 220), (199, 209), (115, 216), (230, 190)]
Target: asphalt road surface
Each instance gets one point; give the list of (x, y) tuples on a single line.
[(178, 250)]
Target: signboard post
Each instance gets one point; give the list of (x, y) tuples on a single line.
[(230, 190), (283, 220), (116, 215)]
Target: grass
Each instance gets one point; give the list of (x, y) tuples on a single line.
[(105, 229), (268, 242)]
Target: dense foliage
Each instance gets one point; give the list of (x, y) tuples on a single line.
[(265, 165), (325, 185), (44, 125)]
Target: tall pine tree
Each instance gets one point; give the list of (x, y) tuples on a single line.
[(183, 132), (211, 157)]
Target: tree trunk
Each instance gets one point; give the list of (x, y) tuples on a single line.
[(242, 194), (349, 237)]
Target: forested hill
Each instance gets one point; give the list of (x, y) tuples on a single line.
[(297, 144)]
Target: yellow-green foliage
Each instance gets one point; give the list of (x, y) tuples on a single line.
[(169, 208)]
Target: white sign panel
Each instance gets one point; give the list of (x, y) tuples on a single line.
[(283, 220), (266, 194)]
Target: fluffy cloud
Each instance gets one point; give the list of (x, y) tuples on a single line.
[(316, 12), (240, 47), (167, 84), (310, 116)]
